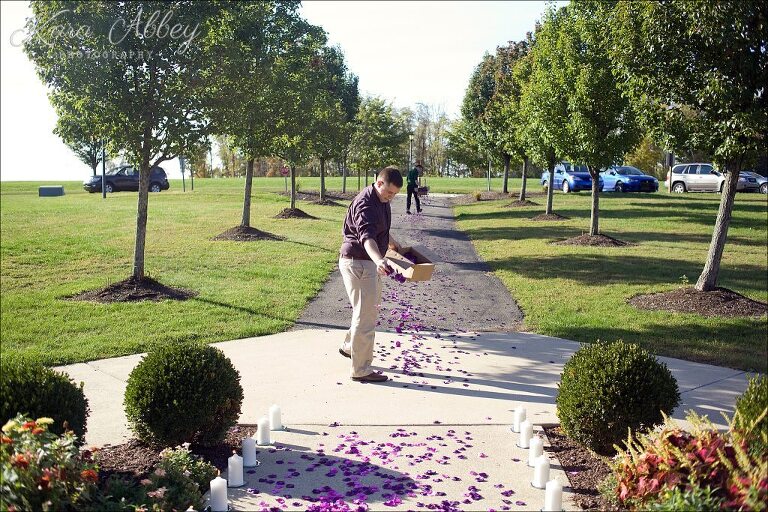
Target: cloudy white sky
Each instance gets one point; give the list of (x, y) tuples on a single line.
[(405, 52)]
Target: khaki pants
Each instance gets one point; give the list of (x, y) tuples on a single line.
[(363, 286)]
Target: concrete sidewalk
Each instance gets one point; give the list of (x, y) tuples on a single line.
[(465, 382)]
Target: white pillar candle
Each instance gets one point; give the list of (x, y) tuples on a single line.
[(553, 497), (274, 418), (526, 431), (536, 449), (235, 471), (541, 472), (218, 500), (249, 452), (520, 416), (262, 434)]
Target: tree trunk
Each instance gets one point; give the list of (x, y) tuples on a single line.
[(550, 187), (344, 175), (506, 173), (293, 186), (141, 221), (708, 278), (322, 179), (525, 178), (594, 223), (247, 195), (358, 180)]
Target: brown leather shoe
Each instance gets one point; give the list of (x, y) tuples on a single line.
[(371, 377), (341, 351)]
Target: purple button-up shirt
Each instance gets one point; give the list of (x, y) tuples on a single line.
[(367, 217)]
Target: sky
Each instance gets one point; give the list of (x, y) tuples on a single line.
[(404, 52)]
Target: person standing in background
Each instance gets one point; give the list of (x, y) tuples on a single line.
[(413, 188)]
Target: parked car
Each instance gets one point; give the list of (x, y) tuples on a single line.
[(754, 182), (702, 177), (126, 177), (625, 178), (695, 177), (570, 178)]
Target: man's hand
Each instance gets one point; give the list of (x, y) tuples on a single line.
[(382, 267)]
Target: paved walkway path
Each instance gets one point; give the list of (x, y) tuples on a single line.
[(462, 294)]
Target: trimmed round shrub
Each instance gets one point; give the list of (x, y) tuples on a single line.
[(608, 388), (183, 393), (35, 391), (749, 407)]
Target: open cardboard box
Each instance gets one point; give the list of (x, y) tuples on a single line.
[(421, 270)]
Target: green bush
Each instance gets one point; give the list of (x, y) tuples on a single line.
[(34, 390), (608, 388), (752, 414), (183, 461), (183, 393)]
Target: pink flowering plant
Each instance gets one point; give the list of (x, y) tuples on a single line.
[(42, 470), (672, 459), (173, 485)]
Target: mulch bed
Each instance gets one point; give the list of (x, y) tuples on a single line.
[(132, 290), (719, 302), (293, 213), (246, 234), (314, 195), (137, 460), (549, 217), (326, 202), (521, 204), (593, 240), (585, 470)]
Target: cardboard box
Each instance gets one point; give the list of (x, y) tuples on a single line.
[(421, 270)]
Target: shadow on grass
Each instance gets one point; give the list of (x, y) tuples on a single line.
[(617, 267), (557, 231), (740, 339)]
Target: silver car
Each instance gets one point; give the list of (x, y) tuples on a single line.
[(754, 181), (695, 177)]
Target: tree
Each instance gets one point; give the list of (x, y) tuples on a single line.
[(143, 83), (379, 135), (601, 125), (337, 101), (77, 130), (245, 93), (482, 85), (646, 157), (543, 102), (708, 58), (502, 115), (462, 147)]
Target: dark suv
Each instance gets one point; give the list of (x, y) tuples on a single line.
[(126, 177)]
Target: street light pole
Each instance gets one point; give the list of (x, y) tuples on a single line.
[(410, 151)]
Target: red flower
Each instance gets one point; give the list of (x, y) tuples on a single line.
[(7, 440), (89, 475), (28, 425), (20, 460), (38, 430)]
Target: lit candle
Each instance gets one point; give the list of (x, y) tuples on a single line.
[(262, 434), (526, 431), (274, 418), (249, 452), (536, 449), (235, 470), (553, 497), (541, 472), (520, 416), (218, 499)]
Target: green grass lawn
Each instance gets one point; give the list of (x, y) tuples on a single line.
[(54, 247), (580, 293), (57, 246)]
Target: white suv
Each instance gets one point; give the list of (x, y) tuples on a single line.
[(695, 177)]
